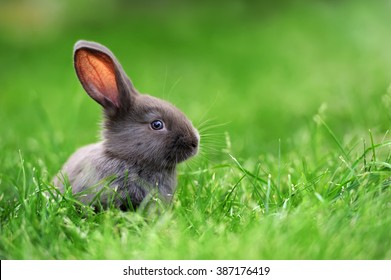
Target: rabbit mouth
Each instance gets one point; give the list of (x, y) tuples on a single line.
[(184, 148), (181, 156)]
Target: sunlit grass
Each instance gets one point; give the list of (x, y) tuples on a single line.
[(287, 207)]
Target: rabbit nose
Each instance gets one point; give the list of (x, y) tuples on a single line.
[(183, 140), (194, 144), (194, 137)]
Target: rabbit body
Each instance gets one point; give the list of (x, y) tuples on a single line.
[(144, 138), (91, 168)]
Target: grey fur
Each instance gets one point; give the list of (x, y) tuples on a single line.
[(133, 160)]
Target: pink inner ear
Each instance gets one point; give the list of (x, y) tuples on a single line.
[(97, 74)]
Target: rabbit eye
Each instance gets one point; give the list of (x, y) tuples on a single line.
[(157, 125)]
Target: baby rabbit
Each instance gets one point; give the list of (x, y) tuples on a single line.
[(143, 138)]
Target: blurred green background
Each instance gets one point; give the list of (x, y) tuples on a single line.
[(261, 68)]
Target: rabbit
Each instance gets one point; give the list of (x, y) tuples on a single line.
[(143, 138)]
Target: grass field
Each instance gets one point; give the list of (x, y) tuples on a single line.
[(293, 102)]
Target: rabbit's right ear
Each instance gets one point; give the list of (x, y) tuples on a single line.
[(102, 76)]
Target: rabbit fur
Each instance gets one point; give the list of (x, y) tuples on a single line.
[(143, 138)]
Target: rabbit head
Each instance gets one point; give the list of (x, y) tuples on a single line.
[(139, 129)]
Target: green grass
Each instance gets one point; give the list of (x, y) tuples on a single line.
[(291, 101)]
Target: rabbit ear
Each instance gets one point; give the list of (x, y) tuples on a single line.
[(102, 76)]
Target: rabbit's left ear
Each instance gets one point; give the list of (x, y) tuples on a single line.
[(102, 76)]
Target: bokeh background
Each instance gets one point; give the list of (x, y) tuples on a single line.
[(260, 69)]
